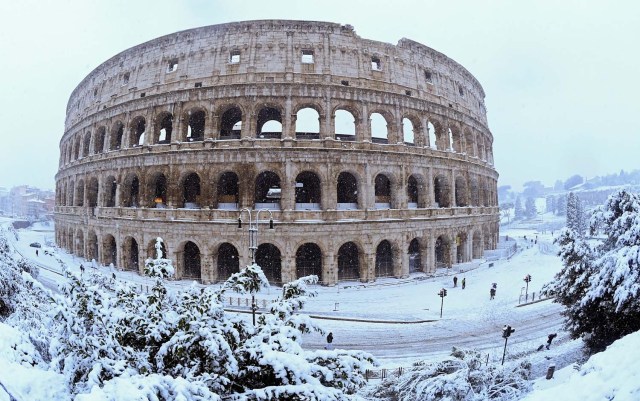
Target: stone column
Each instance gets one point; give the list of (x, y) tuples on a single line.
[(288, 121), (329, 269), (288, 266), (431, 200), (363, 125), (452, 192)]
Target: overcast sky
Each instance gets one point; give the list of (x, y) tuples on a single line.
[(561, 77)]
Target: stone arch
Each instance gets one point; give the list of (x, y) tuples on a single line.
[(79, 243), (92, 192), (79, 195), (440, 137), (462, 254), (163, 128), (267, 191), (308, 122), (474, 192), (344, 124), (269, 258), (456, 139), (191, 260), (379, 127), (86, 144), (416, 191), (109, 250), (408, 131), (92, 246), (116, 137), (78, 148), (469, 142), (382, 191), (196, 119), (415, 256), (228, 261), (131, 254), (137, 127), (157, 186), (441, 191), (462, 195), (71, 193), (347, 191), (269, 122), (442, 251), (309, 261), (350, 257), (98, 144), (231, 122), (131, 190), (308, 191), (384, 259), (228, 191), (477, 245), (190, 185)]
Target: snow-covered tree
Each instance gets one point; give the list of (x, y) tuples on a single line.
[(561, 205), (530, 209), (519, 211), (551, 204), (600, 284), (462, 377), (572, 212)]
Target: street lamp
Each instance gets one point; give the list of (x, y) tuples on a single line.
[(253, 244), (442, 294), (527, 279), (506, 332)]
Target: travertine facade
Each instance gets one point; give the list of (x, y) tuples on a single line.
[(173, 137)]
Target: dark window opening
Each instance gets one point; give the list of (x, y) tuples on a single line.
[(191, 259), (191, 191), (228, 191), (347, 190), (414, 256), (198, 85), (132, 253), (308, 190), (376, 64), (234, 56), (172, 65), (408, 93), (384, 260), (348, 262), (269, 259), (231, 124), (345, 83), (143, 94), (267, 189), (165, 129), (428, 76), (309, 261), (382, 189), (125, 78), (228, 261), (195, 130), (160, 191), (412, 191), (460, 91)]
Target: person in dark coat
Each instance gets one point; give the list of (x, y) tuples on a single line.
[(550, 338), (464, 283), (492, 293), (329, 346), (455, 281)]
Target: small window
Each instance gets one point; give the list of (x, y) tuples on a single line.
[(95, 92), (376, 64), (198, 85), (428, 76), (234, 56), (460, 91), (125, 78), (143, 94), (173, 65), (307, 57), (408, 93), (345, 83)]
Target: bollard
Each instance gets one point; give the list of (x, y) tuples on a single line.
[(552, 368), (337, 305)]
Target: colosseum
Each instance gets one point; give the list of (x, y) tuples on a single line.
[(371, 159)]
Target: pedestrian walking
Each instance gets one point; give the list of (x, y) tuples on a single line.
[(550, 338), (455, 281), (492, 293), (329, 345), (81, 268), (464, 283), (36, 252), (494, 286)]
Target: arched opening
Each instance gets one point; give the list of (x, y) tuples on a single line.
[(415, 260), (379, 132), (347, 191), (78, 149), (442, 252), (231, 124), (99, 141), (109, 250), (131, 191), (412, 193), (308, 191), (407, 131), (468, 138), (164, 128), (348, 262), (228, 191), (449, 140), (79, 197), (478, 248), (195, 129), (116, 136), (153, 253), (228, 261), (268, 258), (267, 191), (191, 261), (159, 190), (307, 124), (441, 191), (382, 189), (70, 194), (384, 259), (79, 244), (475, 192), (92, 192), (110, 189), (309, 261), (269, 123), (461, 192), (131, 254), (461, 248), (345, 125), (92, 246), (191, 191), (86, 144), (456, 140), (138, 128)]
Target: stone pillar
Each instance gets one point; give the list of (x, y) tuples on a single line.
[(363, 126), (179, 131), (288, 266), (431, 200), (402, 263), (452, 192), (367, 189), (426, 254), (288, 184), (288, 121), (329, 196), (453, 250), (329, 268), (212, 129), (174, 194)]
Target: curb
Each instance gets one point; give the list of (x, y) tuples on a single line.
[(347, 319)]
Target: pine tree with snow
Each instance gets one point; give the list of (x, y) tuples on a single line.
[(572, 212), (582, 224), (519, 211), (530, 208), (550, 204), (561, 205)]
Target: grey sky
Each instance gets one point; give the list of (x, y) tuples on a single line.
[(561, 77)]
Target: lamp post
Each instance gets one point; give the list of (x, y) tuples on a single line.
[(442, 294), (506, 332), (527, 279), (253, 244)]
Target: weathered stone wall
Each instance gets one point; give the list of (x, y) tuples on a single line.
[(112, 152)]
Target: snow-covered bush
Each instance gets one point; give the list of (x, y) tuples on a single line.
[(600, 283), (460, 378), (110, 332), (159, 266)]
